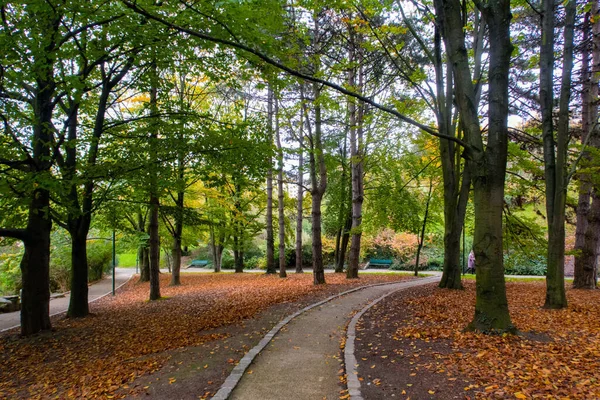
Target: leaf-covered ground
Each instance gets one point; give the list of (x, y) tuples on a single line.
[(427, 354), (128, 337)]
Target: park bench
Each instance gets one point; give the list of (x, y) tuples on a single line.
[(199, 263), (386, 262)]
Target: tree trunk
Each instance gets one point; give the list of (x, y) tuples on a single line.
[(269, 218), (356, 163), (488, 167), (555, 165), (154, 200), (336, 253), (299, 208), (586, 238), (424, 226), (344, 245), (78, 301), (35, 267), (317, 244), (318, 178), (455, 199), (154, 252), (280, 195), (176, 254)]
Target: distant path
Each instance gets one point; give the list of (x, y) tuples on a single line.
[(60, 305), (302, 361)]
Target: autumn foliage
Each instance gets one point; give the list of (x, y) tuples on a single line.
[(557, 354), (127, 336)]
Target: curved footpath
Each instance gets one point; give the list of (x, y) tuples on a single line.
[(59, 305), (301, 361)]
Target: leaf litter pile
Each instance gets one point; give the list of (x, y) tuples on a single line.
[(413, 345), (126, 336)]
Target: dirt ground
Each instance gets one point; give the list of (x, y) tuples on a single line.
[(402, 367), (198, 372)]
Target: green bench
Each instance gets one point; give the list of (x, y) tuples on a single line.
[(199, 263), (386, 262)]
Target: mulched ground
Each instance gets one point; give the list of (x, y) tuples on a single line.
[(180, 347), (392, 366), (412, 345)]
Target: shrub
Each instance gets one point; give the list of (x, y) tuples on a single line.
[(519, 263), (99, 258), (389, 244), (10, 272)]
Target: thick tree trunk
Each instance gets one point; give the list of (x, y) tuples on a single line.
[(269, 218), (238, 257), (555, 276), (488, 167), (35, 270), (78, 301), (455, 199), (587, 239)]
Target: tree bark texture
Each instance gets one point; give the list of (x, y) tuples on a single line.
[(299, 206), (587, 240), (269, 218), (356, 162), (154, 202), (488, 167), (318, 178), (423, 228), (280, 195), (457, 180)]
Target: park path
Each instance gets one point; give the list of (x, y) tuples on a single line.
[(61, 304), (302, 361)]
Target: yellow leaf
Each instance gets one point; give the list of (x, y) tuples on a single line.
[(520, 395)]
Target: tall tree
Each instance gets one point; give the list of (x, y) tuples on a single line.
[(555, 151), (588, 215), (299, 201), (487, 163), (356, 114), (32, 37), (280, 193), (269, 217)]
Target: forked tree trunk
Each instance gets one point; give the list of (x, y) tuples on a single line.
[(488, 166), (555, 164), (457, 181)]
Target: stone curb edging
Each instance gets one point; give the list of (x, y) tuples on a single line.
[(238, 371), (64, 311), (350, 362)]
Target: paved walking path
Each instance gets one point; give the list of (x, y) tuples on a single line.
[(61, 304), (302, 361)]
